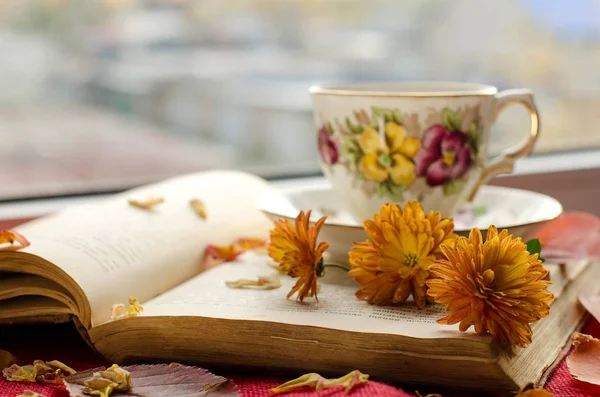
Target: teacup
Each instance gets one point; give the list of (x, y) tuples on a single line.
[(425, 141)]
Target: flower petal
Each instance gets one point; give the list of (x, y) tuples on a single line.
[(463, 161), (453, 142), (433, 136), (424, 158), (437, 173), (584, 363)]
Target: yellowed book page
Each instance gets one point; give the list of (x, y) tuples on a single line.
[(207, 295), (114, 250)]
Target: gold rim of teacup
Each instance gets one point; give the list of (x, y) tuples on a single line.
[(428, 89)]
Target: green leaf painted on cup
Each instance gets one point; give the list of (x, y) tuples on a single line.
[(354, 128), (474, 137), (453, 187), (452, 120)]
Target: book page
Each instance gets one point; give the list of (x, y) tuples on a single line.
[(207, 295), (114, 250)]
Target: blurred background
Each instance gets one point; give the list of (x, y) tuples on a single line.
[(101, 95)]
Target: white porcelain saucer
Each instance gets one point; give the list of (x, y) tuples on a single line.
[(519, 211)]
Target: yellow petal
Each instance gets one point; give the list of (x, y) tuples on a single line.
[(403, 170), (199, 208), (371, 169), (148, 204), (370, 141), (410, 147), (395, 135), (317, 382)]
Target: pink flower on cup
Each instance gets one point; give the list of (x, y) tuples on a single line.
[(444, 156), (327, 146)]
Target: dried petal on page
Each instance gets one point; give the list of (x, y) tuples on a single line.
[(149, 203), (263, 282), (39, 371), (118, 310), (250, 243), (134, 309), (199, 208), (6, 359), (12, 241), (317, 382), (584, 363), (173, 380), (217, 254)]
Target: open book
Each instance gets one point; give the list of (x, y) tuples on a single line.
[(85, 259)]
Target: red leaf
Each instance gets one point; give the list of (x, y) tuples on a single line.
[(163, 380), (584, 363), (572, 236)]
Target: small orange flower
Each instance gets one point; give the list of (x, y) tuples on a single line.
[(295, 248), (394, 262), (497, 286)]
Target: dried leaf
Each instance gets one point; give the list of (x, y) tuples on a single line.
[(6, 359), (214, 255), (174, 380), (134, 309), (199, 207), (146, 204), (571, 236), (103, 383), (584, 363), (39, 371), (592, 305), (29, 393), (317, 382), (8, 238), (263, 282)]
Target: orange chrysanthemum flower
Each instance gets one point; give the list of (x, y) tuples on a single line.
[(394, 262), (295, 248), (496, 286)]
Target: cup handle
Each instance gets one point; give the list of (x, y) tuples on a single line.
[(504, 163)]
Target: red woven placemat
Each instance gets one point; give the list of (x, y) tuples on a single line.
[(62, 342)]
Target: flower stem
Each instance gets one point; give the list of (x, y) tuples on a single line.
[(344, 268)]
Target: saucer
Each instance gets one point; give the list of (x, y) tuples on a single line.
[(519, 211)]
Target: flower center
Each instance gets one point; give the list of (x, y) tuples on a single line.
[(410, 260), (320, 268), (384, 160), (449, 158)]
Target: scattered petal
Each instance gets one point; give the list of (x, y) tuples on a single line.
[(6, 359), (174, 380), (134, 309), (39, 371), (571, 236), (29, 393), (535, 393), (592, 305), (146, 204), (317, 382), (584, 363), (199, 207), (216, 254), (263, 282), (8, 238)]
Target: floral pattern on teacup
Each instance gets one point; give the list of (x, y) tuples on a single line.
[(387, 152)]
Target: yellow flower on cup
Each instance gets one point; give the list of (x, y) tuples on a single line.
[(390, 156)]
